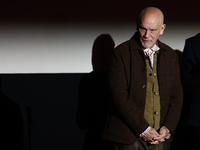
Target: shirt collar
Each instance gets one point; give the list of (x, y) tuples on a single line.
[(154, 48)]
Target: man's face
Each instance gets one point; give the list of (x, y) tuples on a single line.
[(149, 30)]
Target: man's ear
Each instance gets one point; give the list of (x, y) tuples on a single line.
[(162, 29)]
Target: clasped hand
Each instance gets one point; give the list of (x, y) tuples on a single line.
[(154, 137)]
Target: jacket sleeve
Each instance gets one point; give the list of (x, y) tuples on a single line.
[(191, 70), (130, 112)]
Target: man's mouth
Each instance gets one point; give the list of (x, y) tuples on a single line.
[(146, 40)]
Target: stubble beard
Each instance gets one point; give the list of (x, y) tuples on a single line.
[(144, 46)]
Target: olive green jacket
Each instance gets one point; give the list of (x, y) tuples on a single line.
[(128, 79)]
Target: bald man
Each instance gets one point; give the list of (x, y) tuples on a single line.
[(145, 88)]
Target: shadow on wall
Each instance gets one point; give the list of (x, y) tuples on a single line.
[(93, 95), (11, 125)]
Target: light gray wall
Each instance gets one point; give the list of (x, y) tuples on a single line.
[(66, 48)]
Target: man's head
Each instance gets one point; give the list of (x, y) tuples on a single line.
[(150, 26)]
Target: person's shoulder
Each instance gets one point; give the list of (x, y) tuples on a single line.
[(164, 46), (128, 45), (167, 50), (193, 39), (198, 36), (124, 46)]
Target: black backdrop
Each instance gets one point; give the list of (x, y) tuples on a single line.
[(48, 104)]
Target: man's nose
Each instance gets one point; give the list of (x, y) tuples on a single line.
[(147, 34)]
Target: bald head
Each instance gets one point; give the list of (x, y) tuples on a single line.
[(150, 26), (152, 13)]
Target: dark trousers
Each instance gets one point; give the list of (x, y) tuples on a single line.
[(142, 145)]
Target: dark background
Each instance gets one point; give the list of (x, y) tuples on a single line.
[(95, 11), (46, 104)]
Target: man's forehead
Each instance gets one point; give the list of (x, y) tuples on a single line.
[(152, 16), (150, 24), (151, 20)]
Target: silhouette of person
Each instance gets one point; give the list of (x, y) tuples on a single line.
[(191, 86), (93, 94)]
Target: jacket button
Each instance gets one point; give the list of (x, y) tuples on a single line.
[(142, 103), (155, 112), (143, 86), (150, 74)]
